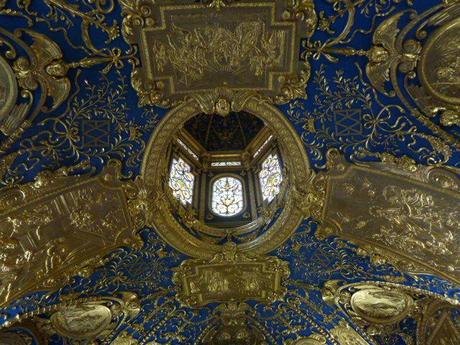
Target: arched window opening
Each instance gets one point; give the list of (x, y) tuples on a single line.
[(227, 196), (181, 181), (270, 177)]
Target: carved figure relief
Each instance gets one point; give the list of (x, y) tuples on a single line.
[(87, 319), (440, 64), (380, 308), (380, 305), (79, 322)]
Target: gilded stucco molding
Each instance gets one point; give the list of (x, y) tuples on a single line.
[(231, 276), (35, 81), (299, 175), (396, 211), (181, 57), (60, 226)]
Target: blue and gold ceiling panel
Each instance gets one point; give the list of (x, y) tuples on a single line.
[(363, 98)]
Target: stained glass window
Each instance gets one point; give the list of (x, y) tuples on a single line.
[(227, 196), (270, 177), (181, 181), (226, 164)]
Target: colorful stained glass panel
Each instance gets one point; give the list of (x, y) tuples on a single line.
[(227, 196), (181, 181), (270, 177)]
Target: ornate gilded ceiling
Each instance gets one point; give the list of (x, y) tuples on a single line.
[(363, 99)]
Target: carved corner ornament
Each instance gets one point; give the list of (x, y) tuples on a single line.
[(29, 77), (428, 62), (398, 212), (60, 226), (231, 276), (189, 48)]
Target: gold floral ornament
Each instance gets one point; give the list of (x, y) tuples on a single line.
[(60, 226), (231, 276), (182, 56), (40, 73)]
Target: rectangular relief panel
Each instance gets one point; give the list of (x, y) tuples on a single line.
[(189, 47), (231, 277), (57, 227), (411, 218)]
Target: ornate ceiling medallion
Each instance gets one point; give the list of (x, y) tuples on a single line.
[(191, 48), (298, 202)]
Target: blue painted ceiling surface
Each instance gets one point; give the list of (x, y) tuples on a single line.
[(102, 94)]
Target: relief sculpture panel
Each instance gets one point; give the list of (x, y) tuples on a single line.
[(189, 48), (440, 65), (231, 276), (57, 227), (404, 217)]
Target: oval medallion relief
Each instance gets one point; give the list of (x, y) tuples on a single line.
[(440, 64), (8, 89), (82, 322), (381, 306)]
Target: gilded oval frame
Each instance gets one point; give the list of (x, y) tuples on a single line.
[(296, 162)]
